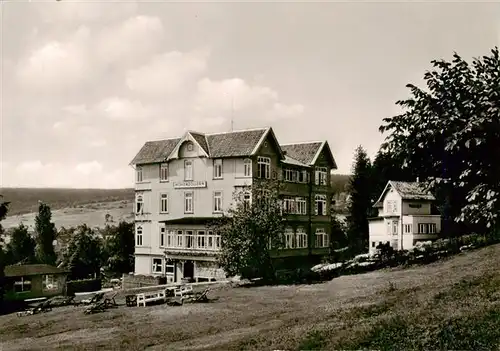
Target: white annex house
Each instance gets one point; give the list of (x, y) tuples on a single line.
[(404, 216), (182, 183)]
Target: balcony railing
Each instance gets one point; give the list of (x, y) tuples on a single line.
[(206, 243)]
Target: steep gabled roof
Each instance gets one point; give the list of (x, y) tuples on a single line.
[(234, 144), (308, 152), (303, 152), (155, 151), (407, 191), (31, 269), (291, 161), (239, 143), (201, 140)]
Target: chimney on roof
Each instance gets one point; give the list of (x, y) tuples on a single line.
[(418, 179)]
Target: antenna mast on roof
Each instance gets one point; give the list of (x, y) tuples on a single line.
[(232, 113)]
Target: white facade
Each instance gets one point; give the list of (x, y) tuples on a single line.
[(402, 222), (187, 186)]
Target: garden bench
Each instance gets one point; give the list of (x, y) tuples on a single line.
[(185, 290), (144, 298)]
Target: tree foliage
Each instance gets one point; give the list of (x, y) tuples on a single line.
[(4, 208), (120, 247), (21, 247), (449, 135), (45, 235), (84, 253), (360, 200), (250, 230)]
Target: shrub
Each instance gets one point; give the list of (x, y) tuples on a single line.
[(84, 285)]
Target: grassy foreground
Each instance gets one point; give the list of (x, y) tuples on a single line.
[(452, 304)]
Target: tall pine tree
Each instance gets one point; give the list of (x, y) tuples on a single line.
[(359, 204), (45, 235), (21, 247)]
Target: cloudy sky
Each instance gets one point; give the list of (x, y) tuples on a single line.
[(85, 84)]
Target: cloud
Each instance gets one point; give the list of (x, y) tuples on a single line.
[(88, 168), (90, 174), (69, 11), (106, 84), (119, 109), (129, 41), (56, 65), (167, 73), (216, 101)]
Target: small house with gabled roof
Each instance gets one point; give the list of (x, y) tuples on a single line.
[(182, 183), (28, 281), (404, 216)]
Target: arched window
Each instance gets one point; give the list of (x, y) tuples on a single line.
[(138, 236), (139, 204)]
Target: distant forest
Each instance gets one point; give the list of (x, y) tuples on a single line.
[(25, 200)]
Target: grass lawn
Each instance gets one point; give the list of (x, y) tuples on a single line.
[(452, 304)]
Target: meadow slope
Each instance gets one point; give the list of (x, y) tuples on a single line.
[(451, 304)]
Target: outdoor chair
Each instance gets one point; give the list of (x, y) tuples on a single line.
[(39, 308), (110, 301), (99, 306), (96, 298)]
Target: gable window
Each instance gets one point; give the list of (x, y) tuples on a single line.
[(218, 169), (264, 167), (391, 206), (301, 238), (138, 236), (247, 167), (301, 205), (320, 176), (49, 282), (163, 203), (217, 201), (22, 284), (188, 202), (139, 204), (320, 202), (157, 265), (188, 170), (321, 238), (138, 175), (163, 172), (289, 244)]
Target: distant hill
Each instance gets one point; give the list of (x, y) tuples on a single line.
[(71, 207), (25, 200)]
